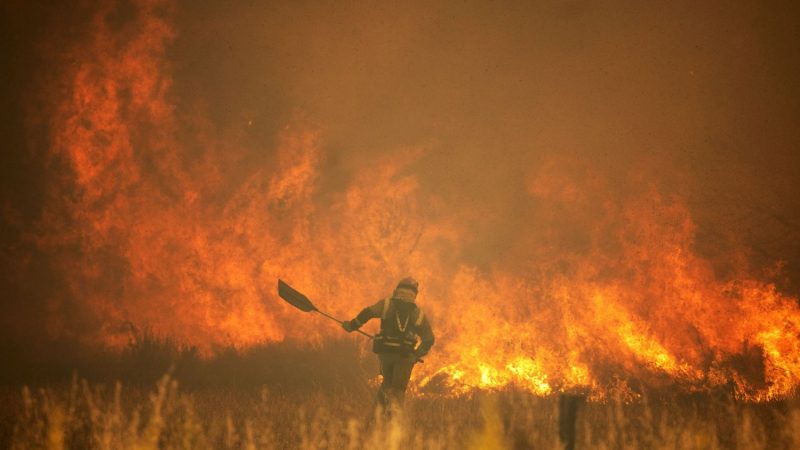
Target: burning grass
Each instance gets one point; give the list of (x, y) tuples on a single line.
[(552, 261), (154, 218)]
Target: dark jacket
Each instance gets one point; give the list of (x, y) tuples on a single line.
[(400, 322)]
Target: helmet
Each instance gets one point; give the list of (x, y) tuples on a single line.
[(406, 290), (409, 283)]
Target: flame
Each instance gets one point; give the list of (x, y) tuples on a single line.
[(157, 224)]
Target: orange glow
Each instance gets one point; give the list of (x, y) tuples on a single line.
[(186, 237)]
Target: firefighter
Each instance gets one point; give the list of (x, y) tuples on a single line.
[(405, 337)]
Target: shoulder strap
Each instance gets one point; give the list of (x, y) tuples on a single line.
[(386, 303)]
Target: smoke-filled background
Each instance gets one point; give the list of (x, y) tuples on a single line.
[(588, 192)]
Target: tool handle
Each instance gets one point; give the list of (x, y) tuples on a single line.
[(419, 360), (340, 322)]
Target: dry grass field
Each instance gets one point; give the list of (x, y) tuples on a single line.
[(285, 397)]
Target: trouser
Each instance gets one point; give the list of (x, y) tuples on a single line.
[(396, 371)]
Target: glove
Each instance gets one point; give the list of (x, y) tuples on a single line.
[(348, 326)]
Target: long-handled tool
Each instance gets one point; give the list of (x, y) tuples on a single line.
[(301, 302)]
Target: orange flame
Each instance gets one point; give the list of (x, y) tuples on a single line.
[(187, 237)]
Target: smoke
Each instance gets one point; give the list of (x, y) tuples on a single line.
[(603, 183)]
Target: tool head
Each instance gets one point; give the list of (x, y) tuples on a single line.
[(294, 297)]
